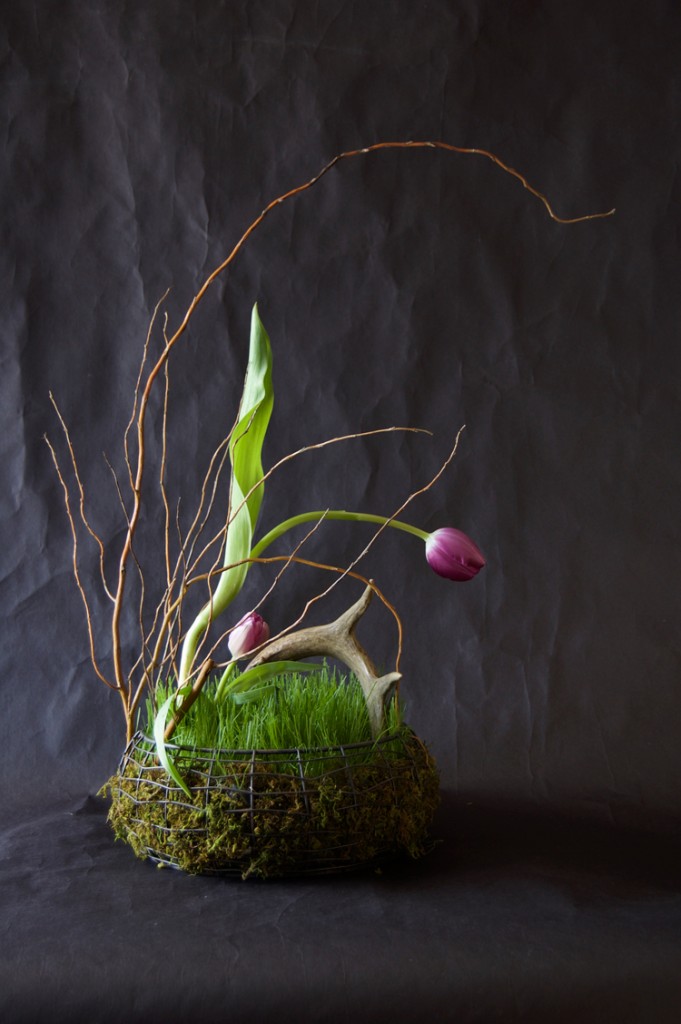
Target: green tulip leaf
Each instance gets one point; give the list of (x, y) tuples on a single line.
[(245, 446), (160, 740), (256, 693), (255, 677), (245, 452)]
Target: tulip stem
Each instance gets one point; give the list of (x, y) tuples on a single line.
[(354, 517)]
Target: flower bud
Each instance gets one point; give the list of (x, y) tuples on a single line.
[(450, 553), (249, 633)]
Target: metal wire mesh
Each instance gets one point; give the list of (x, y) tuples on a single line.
[(275, 812)]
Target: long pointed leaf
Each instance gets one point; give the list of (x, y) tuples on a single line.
[(261, 673), (245, 447), (256, 693), (159, 737), (245, 450)]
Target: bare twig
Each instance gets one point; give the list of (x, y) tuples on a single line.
[(162, 473), (217, 569), (204, 672), (81, 495), (341, 571), (196, 528), (140, 573), (76, 570), (206, 577), (219, 537), (379, 531), (169, 606), (287, 559), (138, 385)]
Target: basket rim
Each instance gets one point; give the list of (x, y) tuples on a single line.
[(254, 752)]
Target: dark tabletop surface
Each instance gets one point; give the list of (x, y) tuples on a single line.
[(515, 915)]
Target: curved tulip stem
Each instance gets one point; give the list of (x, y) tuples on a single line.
[(354, 517)]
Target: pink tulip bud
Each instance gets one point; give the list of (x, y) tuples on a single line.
[(450, 553), (249, 633)]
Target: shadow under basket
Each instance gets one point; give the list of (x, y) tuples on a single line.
[(272, 813)]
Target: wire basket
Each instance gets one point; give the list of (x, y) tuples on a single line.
[(271, 813)]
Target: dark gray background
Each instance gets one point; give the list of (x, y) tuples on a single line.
[(140, 139)]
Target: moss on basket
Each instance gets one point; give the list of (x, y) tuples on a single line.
[(265, 816), (323, 796)]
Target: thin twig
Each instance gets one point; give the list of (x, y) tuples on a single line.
[(140, 573), (348, 571), (138, 384), (171, 608), (288, 559), (196, 529), (146, 637), (81, 496), (162, 473), (219, 537), (205, 670), (186, 549), (217, 569), (341, 572), (76, 570), (379, 531)]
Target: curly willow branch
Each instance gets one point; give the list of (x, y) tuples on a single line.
[(142, 396), (347, 154)]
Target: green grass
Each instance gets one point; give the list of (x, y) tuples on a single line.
[(318, 709)]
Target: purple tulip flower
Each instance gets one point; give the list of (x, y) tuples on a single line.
[(450, 553), (249, 633)]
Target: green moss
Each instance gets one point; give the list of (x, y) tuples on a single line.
[(268, 818)]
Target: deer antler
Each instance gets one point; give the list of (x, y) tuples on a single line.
[(337, 639)]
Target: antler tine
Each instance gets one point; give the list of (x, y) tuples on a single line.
[(337, 640)]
